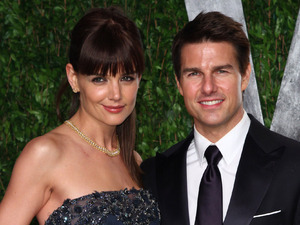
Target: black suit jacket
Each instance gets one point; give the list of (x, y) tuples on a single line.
[(266, 189)]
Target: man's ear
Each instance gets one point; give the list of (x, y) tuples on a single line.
[(246, 78), (178, 85), (72, 78)]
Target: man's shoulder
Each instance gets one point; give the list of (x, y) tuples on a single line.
[(271, 139), (178, 147)]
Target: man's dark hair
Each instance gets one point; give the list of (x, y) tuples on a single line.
[(212, 27)]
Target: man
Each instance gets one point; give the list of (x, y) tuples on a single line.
[(255, 177)]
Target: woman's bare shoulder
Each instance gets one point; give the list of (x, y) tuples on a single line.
[(34, 172), (45, 152), (46, 147), (38, 161)]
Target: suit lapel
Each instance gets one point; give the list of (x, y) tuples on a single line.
[(172, 184), (254, 174)]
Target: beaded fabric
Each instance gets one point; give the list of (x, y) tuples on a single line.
[(134, 207)]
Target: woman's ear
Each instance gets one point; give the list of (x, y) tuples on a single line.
[(72, 78), (139, 79)]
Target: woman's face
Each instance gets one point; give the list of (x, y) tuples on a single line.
[(108, 99)]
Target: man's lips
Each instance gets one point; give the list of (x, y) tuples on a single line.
[(211, 102), (114, 109)]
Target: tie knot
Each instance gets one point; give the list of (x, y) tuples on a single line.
[(213, 155)]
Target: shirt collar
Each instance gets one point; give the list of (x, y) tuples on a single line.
[(229, 145)]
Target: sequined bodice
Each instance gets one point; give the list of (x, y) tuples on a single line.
[(134, 207)]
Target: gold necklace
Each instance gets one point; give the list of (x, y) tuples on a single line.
[(92, 143)]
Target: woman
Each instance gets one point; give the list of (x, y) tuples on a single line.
[(85, 171)]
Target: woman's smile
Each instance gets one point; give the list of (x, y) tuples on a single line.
[(114, 109)]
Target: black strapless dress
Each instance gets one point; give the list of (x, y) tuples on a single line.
[(134, 207)]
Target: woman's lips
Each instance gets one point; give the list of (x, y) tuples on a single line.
[(113, 109)]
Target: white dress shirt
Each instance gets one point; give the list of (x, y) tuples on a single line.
[(231, 146)]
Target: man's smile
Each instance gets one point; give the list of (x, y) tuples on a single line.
[(212, 102)]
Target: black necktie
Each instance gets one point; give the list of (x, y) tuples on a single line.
[(209, 209)]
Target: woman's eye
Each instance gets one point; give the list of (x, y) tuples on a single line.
[(98, 79), (128, 78)]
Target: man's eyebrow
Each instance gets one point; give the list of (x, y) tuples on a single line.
[(196, 69), (226, 66), (192, 69)]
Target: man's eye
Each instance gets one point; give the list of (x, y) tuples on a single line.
[(222, 71), (193, 74)]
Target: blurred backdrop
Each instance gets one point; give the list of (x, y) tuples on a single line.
[(34, 40)]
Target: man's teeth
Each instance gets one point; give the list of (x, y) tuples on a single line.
[(211, 102)]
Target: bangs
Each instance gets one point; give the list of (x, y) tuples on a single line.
[(109, 50)]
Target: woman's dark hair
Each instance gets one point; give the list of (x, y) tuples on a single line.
[(106, 41), (212, 27)]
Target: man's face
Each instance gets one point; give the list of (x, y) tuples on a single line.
[(212, 86)]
